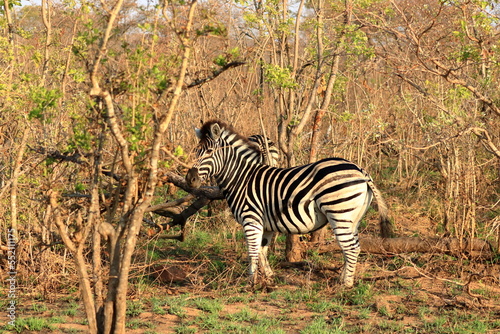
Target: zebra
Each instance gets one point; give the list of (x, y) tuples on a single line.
[(269, 151), (297, 200)]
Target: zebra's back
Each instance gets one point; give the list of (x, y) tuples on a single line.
[(298, 200)]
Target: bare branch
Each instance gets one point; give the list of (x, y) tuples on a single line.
[(208, 192), (55, 154), (173, 157), (215, 73), (486, 138), (175, 203), (59, 223)]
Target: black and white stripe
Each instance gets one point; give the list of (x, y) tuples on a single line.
[(269, 150), (297, 200)]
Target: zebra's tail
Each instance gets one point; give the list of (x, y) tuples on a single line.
[(385, 223)]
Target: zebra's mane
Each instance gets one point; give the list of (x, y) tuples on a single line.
[(227, 131)]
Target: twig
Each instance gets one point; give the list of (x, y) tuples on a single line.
[(173, 157), (468, 288), (465, 285), (485, 137), (216, 73)]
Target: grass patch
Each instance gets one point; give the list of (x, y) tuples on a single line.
[(362, 294), (32, 324), (134, 308), (321, 326), (138, 324), (212, 306)]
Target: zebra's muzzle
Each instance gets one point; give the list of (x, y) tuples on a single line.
[(193, 178)]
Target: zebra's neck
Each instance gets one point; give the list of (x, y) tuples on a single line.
[(237, 163)]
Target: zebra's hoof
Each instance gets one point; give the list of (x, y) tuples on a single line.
[(271, 288), (348, 285)]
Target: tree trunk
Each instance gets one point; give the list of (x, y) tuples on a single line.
[(325, 92), (14, 182), (294, 250)]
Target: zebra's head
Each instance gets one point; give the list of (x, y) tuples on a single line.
[(218, 145), (209, 136)]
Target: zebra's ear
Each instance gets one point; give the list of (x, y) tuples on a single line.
[(198, 133), (215, 131)]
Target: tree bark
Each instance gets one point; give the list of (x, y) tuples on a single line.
[(14, 182), (76, 248), (294, 249), (46, 19), (10, 31)]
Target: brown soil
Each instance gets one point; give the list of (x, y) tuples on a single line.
[(405, 292)]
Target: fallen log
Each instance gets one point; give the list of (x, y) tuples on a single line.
[(451, 246)]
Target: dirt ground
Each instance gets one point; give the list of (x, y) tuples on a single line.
[(408, 293), (390, 296)]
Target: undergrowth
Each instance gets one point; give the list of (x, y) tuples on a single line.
[(412, 294)]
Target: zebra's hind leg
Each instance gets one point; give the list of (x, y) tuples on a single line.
[(351, 252), (347, 236), (344, 215), (346, 232)]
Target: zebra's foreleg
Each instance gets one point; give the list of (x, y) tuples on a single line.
[(264, 264), (253, 234)]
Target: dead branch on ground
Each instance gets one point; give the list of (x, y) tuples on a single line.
[(453, 246)]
